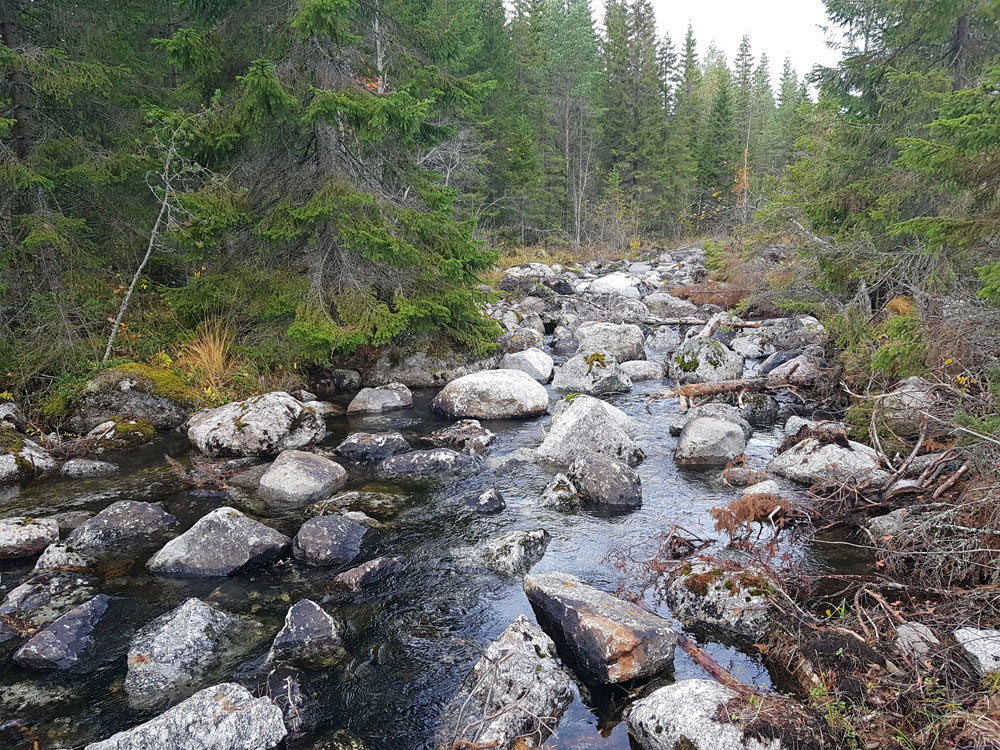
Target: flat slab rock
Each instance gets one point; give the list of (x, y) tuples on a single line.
[(426, 465), (492, 394), (223, 717), (60, 644), (21, 537), (520, 667), (299, 477), (613, 640), (221, 543), (41, 600)]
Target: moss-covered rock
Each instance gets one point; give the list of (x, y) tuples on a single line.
[(135, 391), (704, 360), (707, 593), (21, 458), (119, 432)]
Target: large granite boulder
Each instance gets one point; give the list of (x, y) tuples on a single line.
[(620, 283), (704, 360), (738, 601), (328, 540), (492, 394), (593, 374), (426, 465), (708, 443), (582, 425), (613, 640), (60, 644), (223, 717), (519, 669), (814, 461), (134, 391), (534, 362), (21, 537), (309, 637), (381, 398), (298, 477), (221, 543), (260, 426), (606, 482), (624, 342), (663, 305)]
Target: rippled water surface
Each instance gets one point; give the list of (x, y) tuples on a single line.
[(411, 640)]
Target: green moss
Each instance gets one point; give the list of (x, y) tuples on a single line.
[(160, 382), (12, 442), (686, 362), (699, 583), (594, 360), (129, 432)]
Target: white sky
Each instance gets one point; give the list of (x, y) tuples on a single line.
[(782, 28)]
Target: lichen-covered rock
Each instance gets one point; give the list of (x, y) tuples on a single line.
[(381, 398), (60, 644), (792, 333), (21, 458), (613, 640), (368, 574), (371, 446), (84, 468), (223, 717), (515, 552), (221, 543), (916, 640), (704, 360), (605, 481), (738, 601), (119, 433), (21, 537), (594, 374), (176, 653), (981, 647), (625, 342), (639, 370), (40, 600), (466, 435), (492, 394), (663, 305), (903, 408), (298, 477), (426, 465), (767, 487), (560, 493), (488, 502), (706, 443), (328, 540), (534, 362), (380, 504), (309, 637), (583, 425), (137, 392), (812, 461), (260, 426), (518, 669)]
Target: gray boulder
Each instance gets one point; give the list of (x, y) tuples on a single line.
[(663, 340), (903, 407), (467, 435), (534, 362), (916, 640), (564, 341), (519, 668), (221, 543), (706, 443), (713, 411), (492, 394), (40, 600), (663, 305), (611, 639), (368, 574), (606, 481), (624, 342), (623, 284), (639, 370), (560, 493), (981, 647), (328, 540), (260, 426), (371, 446), (776, 360), (309, 637), (708, 594), (84, 468), (812, 462), (583, 425), (381, 398), (592, 374), (752, 346), (223, 717), (704, 360), (21, 458), (515, 552), (803, 370), (21, 537), (179, 651), (298, 477), (60, 644), (134, 392), (426, 465)]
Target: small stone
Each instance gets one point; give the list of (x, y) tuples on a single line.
[(981, 647), (560, 493), (916, 640), (515, 552), (297, 477), (488, 502), (639, 371), (380, 399), (368, 574), (594, 374), (308, 638), (328, 540)]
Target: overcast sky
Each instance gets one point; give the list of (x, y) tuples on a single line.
[(782, 28)]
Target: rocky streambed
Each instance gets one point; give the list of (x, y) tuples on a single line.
[(370, 571)]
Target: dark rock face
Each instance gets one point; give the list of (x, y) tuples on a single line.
[(611, 639), (369, 446), (222, 717), (40, 600), (518, 668), (488, 502), (368, 574), (290, 691), (60, 644), (467, 435), (604, 481), (776, 360), (123, 523), (426, 465), (328, 540), (310, 637), (21, 537), (82, 468), (221, 543)]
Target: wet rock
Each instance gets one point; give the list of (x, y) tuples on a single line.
[(328, 540), (222, 543), (803, 370), (624, 342), (916, 640), (759, 409), (563, 341), (708, 594), (368, 574), (84, 468), (60, 644), (767, 487), (981, 648), (641, 370), (492, 394), (289, 689), (663, 340), (298, 477), (375, 503), (714, 411), (260, 426), (663, 305), (533, 362), (560, 493), (776, 360), (381, 398), (518, 668), (135, 392), (810, 462), (903, 407), (58, 557), (426, 465), (515, 552), (222, 717), (120, 530), (176, 653), (70, 519), (21, 458), (518, 340), (40, 600), (592, 374), (21, 537), (606, 481), (616, 283), (488, 502), (752, 346), (611, 639), (371, 446), (467, 435), (583, 425), (704, 360), (706, 442), (309, 637)]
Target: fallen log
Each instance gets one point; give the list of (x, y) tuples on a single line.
[(696, 390)]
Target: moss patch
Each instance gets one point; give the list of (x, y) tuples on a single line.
[(153, 380), (11, 441), (594, 360), (699, 583)]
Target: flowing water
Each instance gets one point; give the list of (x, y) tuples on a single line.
[(411, 639)]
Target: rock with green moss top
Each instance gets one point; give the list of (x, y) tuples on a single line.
[(704, 360), (134, 391), (739, 601), (120, 432), (594, 374), (21, 458)]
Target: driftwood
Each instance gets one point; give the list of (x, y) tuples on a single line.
[(710, 665), (693, 391)]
